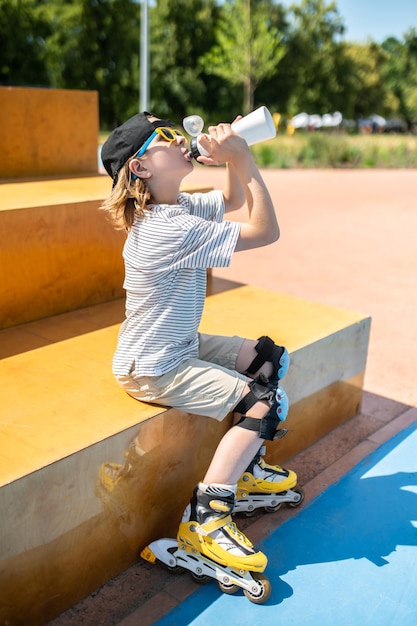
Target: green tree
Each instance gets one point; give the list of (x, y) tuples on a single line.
[(248, 46), (400, 74), (110, 41), (64, 21), (23, 53), (315, 63), (366, 92), (181, 32), (94, 44)]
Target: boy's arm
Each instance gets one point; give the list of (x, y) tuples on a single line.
[(233, 193), (224, 146)]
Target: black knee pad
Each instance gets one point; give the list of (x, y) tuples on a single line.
[(268, 351)]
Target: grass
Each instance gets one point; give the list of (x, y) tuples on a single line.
[(316, 149)]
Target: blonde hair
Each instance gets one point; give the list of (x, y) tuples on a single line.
[(128, 200)]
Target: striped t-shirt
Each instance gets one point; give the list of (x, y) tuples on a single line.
[(166, 255)]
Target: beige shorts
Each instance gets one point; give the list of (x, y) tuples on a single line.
[(208, 385)]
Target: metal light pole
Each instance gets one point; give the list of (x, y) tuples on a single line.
[(144, 58)]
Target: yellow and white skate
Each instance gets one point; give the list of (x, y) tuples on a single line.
[(209, 545), (266, 486), (228, 546)]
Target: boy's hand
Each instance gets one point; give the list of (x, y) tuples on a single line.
[(222, 144)]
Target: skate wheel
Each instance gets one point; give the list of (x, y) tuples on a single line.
[(201, 579), (175, 569), (261, 589), (272, 509), (300, 493), (228, 588)]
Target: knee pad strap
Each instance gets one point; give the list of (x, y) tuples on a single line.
[(276, 398), (249, 423), (267, 427), (259, 390)]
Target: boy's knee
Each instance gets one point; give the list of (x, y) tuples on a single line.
[(262, 408)]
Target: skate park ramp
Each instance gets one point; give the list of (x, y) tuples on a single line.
[(348, 557)]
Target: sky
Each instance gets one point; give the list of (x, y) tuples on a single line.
[(375, 19)]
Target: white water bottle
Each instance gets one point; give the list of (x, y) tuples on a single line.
[(255, 127)]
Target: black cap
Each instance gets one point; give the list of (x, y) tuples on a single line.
[(125, 141)]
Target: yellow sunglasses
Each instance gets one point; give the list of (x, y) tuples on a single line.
[(169, 134)]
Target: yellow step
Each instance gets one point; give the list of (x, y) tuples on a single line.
[(89, 476), (48, 132), (58, 251)]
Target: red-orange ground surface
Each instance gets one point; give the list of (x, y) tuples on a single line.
[(348, 238)]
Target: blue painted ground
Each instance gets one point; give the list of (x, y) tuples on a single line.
[(348, 558)]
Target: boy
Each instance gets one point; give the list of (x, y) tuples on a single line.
[(172, 240)]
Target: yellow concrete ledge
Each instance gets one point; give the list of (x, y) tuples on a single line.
[(58, 252), (56, 259), (82, 462), (48, 132), (69, 190)]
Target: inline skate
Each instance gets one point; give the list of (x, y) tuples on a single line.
[(209, 545), (266, 486)]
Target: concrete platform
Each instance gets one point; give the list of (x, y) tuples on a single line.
[(78, 453), (72, 253), (43, 133)]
